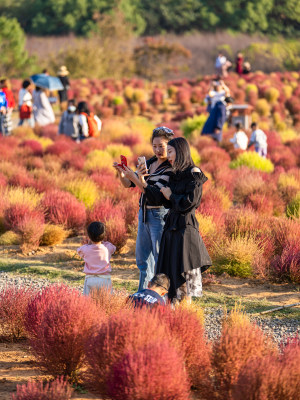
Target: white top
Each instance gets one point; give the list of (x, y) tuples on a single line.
[(220, 61), (214, 97), (240, 140), (42, 110), (82, 121), (25, 97), (259, 139)]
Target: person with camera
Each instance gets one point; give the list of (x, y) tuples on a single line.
[(151, 212)]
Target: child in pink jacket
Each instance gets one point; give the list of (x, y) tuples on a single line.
[(97, 255)]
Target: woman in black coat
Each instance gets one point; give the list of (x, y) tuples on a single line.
[(183, 255)]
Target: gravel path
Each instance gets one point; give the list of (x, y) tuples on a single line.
[(279, 329)]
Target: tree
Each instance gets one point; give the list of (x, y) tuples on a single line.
[(14, 57)]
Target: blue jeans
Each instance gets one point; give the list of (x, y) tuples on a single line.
[(30, 121), (148, 242)]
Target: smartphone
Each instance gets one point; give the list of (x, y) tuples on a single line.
[(142, 161), (123, 162)]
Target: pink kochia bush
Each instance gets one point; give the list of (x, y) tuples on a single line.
[(60, 328), (56, 390), (188, 335), (13, 307), (142, 375), (62, 208), (271, 377), (127, 331)]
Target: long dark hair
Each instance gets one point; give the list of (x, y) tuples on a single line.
[(183, 154), (82, 107)]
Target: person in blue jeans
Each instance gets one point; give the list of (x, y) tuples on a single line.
[(151, 213)]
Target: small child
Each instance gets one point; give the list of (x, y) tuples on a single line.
[(240, 139), (97, 255), (68, 124), (153, 295), (259, 139)]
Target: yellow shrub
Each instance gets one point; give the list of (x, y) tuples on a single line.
[(235, 256), (84, 190), (18, 195), (287, 91), (295, 74), (235, 318), (8, 168), (144, 149), (241, 83), (114, 129), (194, 308), (44, 141), (288, 135), (24, 132), (195, 155), (143, 126), (264, 125), (98, 159), (115, 150), (272, 95), (9, 238), (207, 226), (288, 180), (254, 116), (128, 92), (252, 160), (251, 87), (139, 95), (53, 234), (262, 107)]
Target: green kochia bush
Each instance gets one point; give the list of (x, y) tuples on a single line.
[(293, 208), (193, 126), (252, 160)]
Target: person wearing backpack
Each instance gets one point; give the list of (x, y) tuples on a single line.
[(89, 124), (25, 105), (6, 118)]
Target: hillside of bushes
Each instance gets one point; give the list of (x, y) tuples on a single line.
[(249, 214)]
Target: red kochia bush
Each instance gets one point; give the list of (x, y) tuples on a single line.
[(62, 208), (188, 334), (271, 377), (237, 345), (141, 375), (3, 180), (286, 267), (34, 146), (13, 306), (127, 331), (63, 329), (56, 390)]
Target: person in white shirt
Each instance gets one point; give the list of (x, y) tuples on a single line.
[(25, 104), (222, 65), (85, 129), (217, 92), (240, 139), (259, 139)]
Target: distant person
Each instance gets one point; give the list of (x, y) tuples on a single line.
[(96, 255), (239, 62), (222, 65), (68, 124), (3, 110), (88, 123), (153, 296), (25, 105), (214, 123), (240, 139), (63, 94), (218, 91), (259, 139), (45, 72), (7, 117), (246, 67), (42, 110)]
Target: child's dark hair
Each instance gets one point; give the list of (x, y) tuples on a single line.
[(253, 125), (82, 107), (238, 125), (25, 84), (96, 231), (162, 132), (160, 280)]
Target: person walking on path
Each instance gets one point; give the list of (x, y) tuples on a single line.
[(63, 94), (240, 139), (152, 212), (183, 255), (6, 117), (217, 117), (259, 139), (42, 110)]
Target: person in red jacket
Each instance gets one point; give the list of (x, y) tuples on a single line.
[(7, 123), (239, 63)]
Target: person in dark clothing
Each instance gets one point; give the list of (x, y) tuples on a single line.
[(63, 94), (217, 117), (183, 255), (151, 212), (153, 295)]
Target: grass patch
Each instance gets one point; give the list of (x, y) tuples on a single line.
[(215, 300)]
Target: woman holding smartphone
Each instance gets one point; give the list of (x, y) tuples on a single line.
[(183, 255), (156, 172)]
